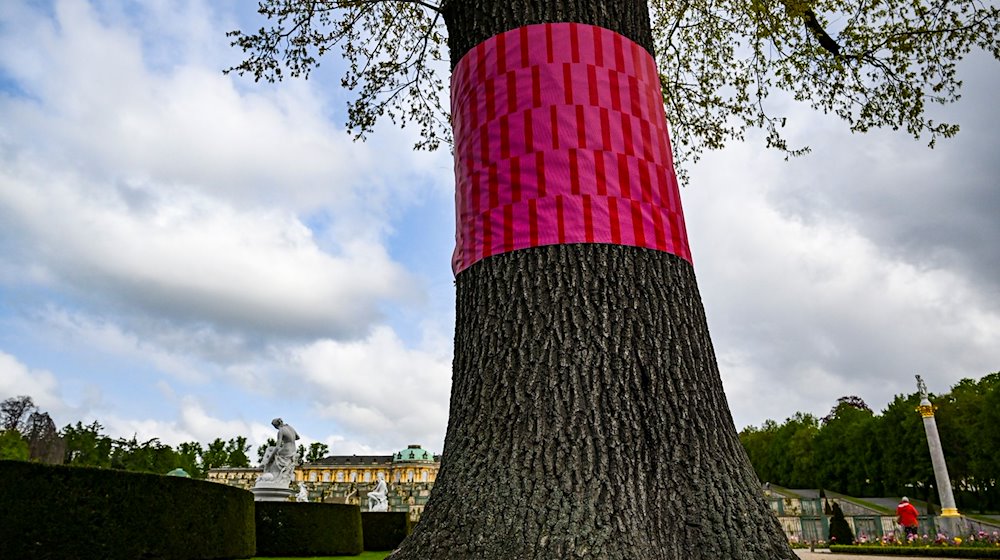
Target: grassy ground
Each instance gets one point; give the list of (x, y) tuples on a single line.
[(865, 503), (983, 518), (784, 491), (362, 556)]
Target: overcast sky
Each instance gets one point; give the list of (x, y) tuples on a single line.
[(186, 255)]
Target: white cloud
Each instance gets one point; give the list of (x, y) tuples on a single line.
[(93, 98), (169, 191), (193, 423), (378, 390), (193, 257), (17, 379), (184, 124), (109, 338), (339, 445), (371, 396), (805, 308)]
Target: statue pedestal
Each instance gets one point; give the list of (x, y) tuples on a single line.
[(952, 525), (272, 493)]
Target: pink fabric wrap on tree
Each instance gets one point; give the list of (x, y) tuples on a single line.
[(560, 137)]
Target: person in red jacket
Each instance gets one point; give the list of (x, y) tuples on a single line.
[(906, 515)]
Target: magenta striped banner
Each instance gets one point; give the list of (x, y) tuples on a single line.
[(560, 137)]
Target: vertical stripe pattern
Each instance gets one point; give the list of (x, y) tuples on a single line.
[(563, 126)]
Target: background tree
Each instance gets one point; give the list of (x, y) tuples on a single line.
[(906, 463), (840, 531), (188, 454), (758, 443), (86, 446), (784, 454), (847, 453), (23, 424), (589, 365), (236, 452), (44, 443), (860, 453), (214, 455), (317, 451), (846, 403), (13, 447), (801, 453), (15, 411), (969, 438), (262, 449), (147, 456), (986, 461)]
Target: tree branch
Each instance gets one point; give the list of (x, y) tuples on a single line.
[(825, 40)]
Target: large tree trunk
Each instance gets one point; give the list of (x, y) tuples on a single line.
[(587, 413)]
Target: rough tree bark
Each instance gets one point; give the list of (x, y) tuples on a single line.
[(588, 418)]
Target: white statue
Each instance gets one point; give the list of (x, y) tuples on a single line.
[(378, 499), (303, 495), (921, 388), (279, 460)]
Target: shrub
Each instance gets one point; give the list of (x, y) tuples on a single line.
[(929, 552), (384, 530), (58, 512), (840, 531), (308, 529)]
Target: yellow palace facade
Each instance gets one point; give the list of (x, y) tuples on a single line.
[(409, 473)]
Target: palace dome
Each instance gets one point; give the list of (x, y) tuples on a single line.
[(413, 454)]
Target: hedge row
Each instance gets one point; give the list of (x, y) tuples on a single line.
[(57, 512), (308, 529), (930, 552), (384, 530)]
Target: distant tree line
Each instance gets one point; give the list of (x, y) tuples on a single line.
[(857, 452), (28, 434)]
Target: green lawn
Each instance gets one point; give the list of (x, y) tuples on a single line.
[(362, 556), (864, 503)]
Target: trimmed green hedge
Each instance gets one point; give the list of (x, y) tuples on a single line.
[(55, 512), (384, 530), (930, 552), (308, 529)]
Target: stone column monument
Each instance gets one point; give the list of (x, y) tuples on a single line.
[(926, 409)]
